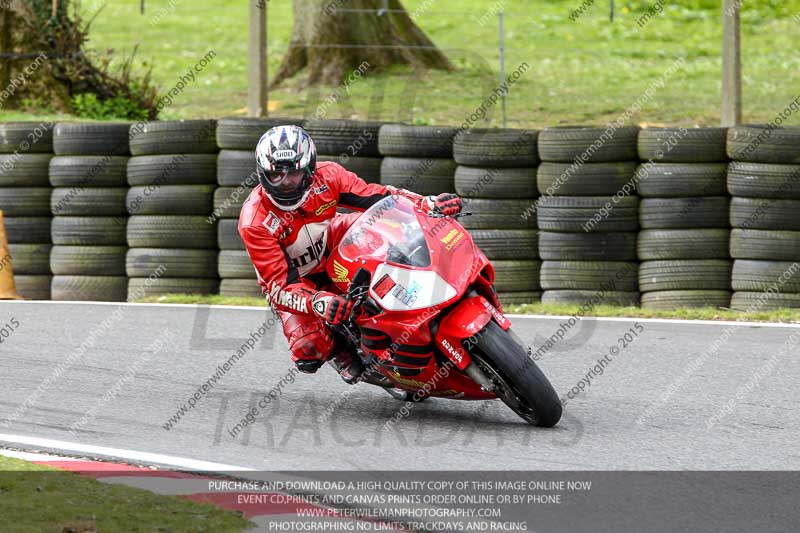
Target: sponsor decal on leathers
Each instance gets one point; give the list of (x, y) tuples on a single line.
[(272, 223), (306, 251), (324, 207), (279, 296)]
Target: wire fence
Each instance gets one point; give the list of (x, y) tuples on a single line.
[(586, 67)]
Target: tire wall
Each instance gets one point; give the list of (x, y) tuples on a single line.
[(236, 178), (588, 215), (662, 217), (684, 202), (764, 183), (88, 175), (172, 229), (496, 178), (26, 149)]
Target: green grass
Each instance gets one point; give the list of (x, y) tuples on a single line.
[(7, 464), (584, 71), (206, 299), (36, 498), (706, 313)]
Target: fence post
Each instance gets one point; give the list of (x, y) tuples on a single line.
[(5, 46), (502, 64), (257, 60), (731, 114)]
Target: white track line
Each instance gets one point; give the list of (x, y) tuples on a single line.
[(118, 453), (138, 304), (135, 304), (664, 321), (515, 316)]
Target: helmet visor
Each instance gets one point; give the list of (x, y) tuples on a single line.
[(286, 180)]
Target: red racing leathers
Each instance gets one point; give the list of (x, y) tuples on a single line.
[(289, 248)]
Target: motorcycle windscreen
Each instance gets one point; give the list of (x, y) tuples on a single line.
[(387, 231)]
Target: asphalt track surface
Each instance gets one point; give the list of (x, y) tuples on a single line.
[(660, 403)]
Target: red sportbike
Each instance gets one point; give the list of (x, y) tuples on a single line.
[(427, 320)]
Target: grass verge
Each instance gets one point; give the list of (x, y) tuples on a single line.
[(583, 69), (206, 299), (705, 313), (685, 313), (36, 498)]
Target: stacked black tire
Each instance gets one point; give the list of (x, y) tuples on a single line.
[(683, 244), (236, 177), (588, 250), (496, 178), (171, 230), (352, 144), (417, 158), (88, 206), (25, 152), (764, 180)]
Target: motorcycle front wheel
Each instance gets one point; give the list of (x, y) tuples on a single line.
[(518, 381)]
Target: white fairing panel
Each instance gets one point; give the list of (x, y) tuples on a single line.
[(401, 289)]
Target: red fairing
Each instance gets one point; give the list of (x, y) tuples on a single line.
[(286, 247), (467, 319), (456, 257), (421, 267)]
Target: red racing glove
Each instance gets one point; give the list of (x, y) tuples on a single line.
[(447, 204), (333, 308)]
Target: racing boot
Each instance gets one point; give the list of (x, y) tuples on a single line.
[(350, 367)]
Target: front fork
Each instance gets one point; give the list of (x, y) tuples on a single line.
[(479, 377), (463, 323)]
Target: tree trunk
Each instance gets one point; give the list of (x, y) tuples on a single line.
[(330, 42)]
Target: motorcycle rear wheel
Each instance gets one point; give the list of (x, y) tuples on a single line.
[(518, 381)]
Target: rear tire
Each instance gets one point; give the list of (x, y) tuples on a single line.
[(518, 381)]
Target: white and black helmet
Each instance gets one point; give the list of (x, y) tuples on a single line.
[(285, 161)]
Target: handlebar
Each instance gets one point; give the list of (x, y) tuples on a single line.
[(359, 288), (360, 280), (438, 214)]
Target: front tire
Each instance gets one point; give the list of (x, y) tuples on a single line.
[(517, 379)]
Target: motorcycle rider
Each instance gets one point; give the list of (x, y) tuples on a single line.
[(288, 226)]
